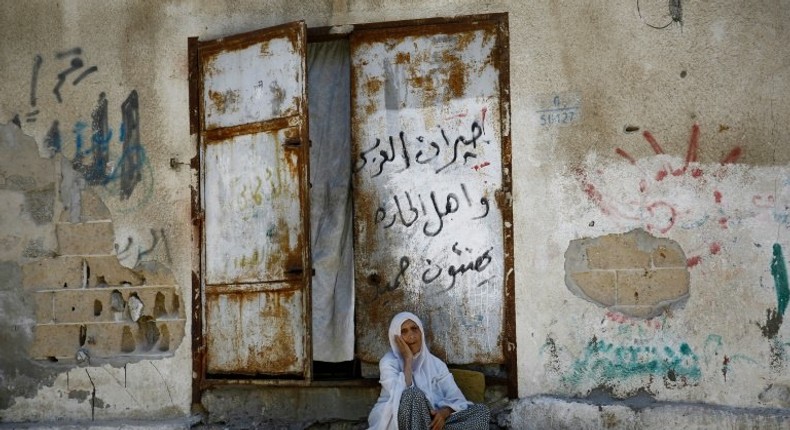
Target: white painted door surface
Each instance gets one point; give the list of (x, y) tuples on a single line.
[(428, 181), (256, 259)]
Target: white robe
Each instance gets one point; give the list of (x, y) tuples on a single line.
[(429, 374)]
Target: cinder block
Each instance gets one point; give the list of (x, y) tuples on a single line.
[(104, 340), (650, 287), (55, 340), (53, 273), (108, 340), (155, 273), (599, 286), (44, 302), (616, 252), (92, 208), (108, 270), (168, 296), (80, 306), (668, 256), (90, 238)]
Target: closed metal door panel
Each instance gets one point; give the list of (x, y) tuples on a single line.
[(256, 257), (429, 176)]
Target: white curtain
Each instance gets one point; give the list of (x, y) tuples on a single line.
[(328, 94)]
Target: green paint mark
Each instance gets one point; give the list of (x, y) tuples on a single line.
[(779, 272), (603, 361)]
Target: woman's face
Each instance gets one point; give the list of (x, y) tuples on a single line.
[(411, 334)]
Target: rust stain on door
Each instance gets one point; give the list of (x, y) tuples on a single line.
[(254, 178), (430, 152)]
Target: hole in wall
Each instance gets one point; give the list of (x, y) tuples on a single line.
[(127, 340), (52, 359), (117, 303), (175, 305), (83, 334), (682, 73), (159, 306), (97, 307), (65, 285), (148, 332), (164, 341)]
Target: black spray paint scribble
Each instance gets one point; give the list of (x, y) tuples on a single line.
[(91, 158), (75, 64), (426, 151), (442, 278), (95, 172), (137, 253), (434, 211), (675, 14), (133, 156)]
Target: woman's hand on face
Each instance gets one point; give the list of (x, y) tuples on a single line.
[(403, 348), (439, 417)]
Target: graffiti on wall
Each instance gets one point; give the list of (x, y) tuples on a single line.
[(688, 195), (667, 195), (114, 159), (774, 317), (134, 251), (428, 178), (639, 355)]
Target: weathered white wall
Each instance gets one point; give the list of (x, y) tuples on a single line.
[(724, 68)]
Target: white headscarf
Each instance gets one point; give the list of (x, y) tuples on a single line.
[(429, 374)]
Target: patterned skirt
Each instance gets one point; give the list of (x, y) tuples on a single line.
[(414, 413)]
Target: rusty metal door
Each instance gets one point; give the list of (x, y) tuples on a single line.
[(433, 217), (254, 162)]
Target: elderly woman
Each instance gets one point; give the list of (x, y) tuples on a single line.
[(417, 389)]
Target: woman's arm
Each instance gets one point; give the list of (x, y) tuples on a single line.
[(408, 359)]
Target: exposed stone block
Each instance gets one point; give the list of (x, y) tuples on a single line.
[(160, 302), (146, 337), (55, 341), (668, 256), (600, 285), (44, 311), (651, 287), (155, 273), (53, 273), (634, 273), (80, 306), (108, 270), (90, 238), (616, 252), (92, 208)]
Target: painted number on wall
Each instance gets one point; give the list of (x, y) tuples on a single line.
[(559, 110)]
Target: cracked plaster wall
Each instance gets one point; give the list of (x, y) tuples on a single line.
[(676, 131)]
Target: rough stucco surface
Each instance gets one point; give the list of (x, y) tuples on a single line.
[(679, 131)]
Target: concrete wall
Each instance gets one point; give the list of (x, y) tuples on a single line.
[(675, 134)]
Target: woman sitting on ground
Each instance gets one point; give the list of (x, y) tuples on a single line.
[(418, 392)]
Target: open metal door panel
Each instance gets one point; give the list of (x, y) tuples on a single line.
[(431, 164), (256, 259)]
